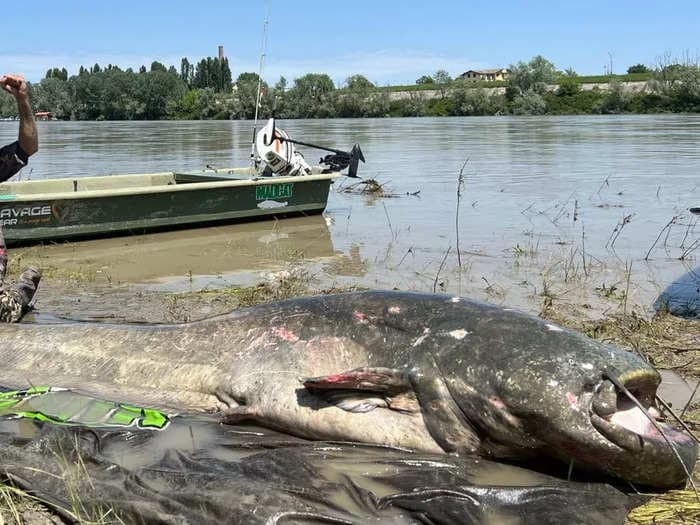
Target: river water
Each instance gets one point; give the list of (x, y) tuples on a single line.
[(570, 204)]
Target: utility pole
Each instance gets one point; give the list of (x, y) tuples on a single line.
[(611, 62)]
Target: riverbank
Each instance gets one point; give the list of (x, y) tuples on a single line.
[(534, 88), (668, 342), (627, 87)]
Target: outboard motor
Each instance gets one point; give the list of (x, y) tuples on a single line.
[(276, 150)]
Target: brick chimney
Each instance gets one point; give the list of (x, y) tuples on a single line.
[(221, 53)]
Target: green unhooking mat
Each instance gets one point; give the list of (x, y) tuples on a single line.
[(90, 459), (64, 407)]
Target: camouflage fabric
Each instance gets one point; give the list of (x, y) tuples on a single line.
[(11, 309), (12, 159), (16, 299)]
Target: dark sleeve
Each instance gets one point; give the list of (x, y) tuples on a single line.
[(12, 159)]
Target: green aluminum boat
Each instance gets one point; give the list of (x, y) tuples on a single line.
[(69, 208)]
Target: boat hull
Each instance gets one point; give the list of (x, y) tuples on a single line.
[(33, 211)]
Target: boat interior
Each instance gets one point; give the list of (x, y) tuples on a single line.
[(113, 182), (120, 182)]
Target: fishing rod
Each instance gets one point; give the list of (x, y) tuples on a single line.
[(259, 95)]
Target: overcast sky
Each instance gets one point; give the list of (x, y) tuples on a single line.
[(387, 41)]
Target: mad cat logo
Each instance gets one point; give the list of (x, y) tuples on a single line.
[(60, 211), (274, 191)]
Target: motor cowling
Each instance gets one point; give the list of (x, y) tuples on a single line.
[(279, 154)]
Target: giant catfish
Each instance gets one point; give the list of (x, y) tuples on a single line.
[(426, 372)]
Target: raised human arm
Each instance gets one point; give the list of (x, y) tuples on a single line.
[(28, 137)]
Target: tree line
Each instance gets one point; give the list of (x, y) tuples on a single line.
[(206, 90)]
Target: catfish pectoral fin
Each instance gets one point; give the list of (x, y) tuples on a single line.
[(378, 379), (364, 389)]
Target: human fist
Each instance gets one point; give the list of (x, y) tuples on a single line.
[(14, 84)]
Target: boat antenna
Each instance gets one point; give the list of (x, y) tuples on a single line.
[(259, 95)]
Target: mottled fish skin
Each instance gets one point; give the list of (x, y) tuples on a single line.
[(421, 371)]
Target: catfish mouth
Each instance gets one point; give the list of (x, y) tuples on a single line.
[(619, 420)]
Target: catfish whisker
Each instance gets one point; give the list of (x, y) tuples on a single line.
[(677, 418)]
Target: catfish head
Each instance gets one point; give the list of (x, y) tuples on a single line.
[(529, 386), (500, 383)]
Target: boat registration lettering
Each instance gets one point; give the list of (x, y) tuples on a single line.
[(274, 191)]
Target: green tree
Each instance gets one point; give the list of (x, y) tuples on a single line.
[(202, 75), (442, 77), (355, 99), (60, 74), (278, 98), (186, 71), (312, 96), (117, 100), (246, 95), (159, 92), (638, 68), (188, 107), (85, 91), (443, 80), (359, 84), (425, 79), (534, 75), (212, 73), (225, 76), (8, 105)]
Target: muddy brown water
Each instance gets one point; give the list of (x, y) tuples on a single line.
[(538, 193)]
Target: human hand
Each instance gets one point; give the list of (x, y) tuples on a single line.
[(15, 85)]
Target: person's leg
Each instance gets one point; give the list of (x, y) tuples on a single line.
[(3, 258), (16, 299)]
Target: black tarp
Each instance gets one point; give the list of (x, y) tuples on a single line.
[(198, 471), (682, 297)]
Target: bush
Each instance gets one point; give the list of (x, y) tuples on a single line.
[(529, 103), (569, 86), (583, 102), (638, 68)]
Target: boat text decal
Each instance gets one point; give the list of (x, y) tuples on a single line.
[(273, 191), (25, 214)]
